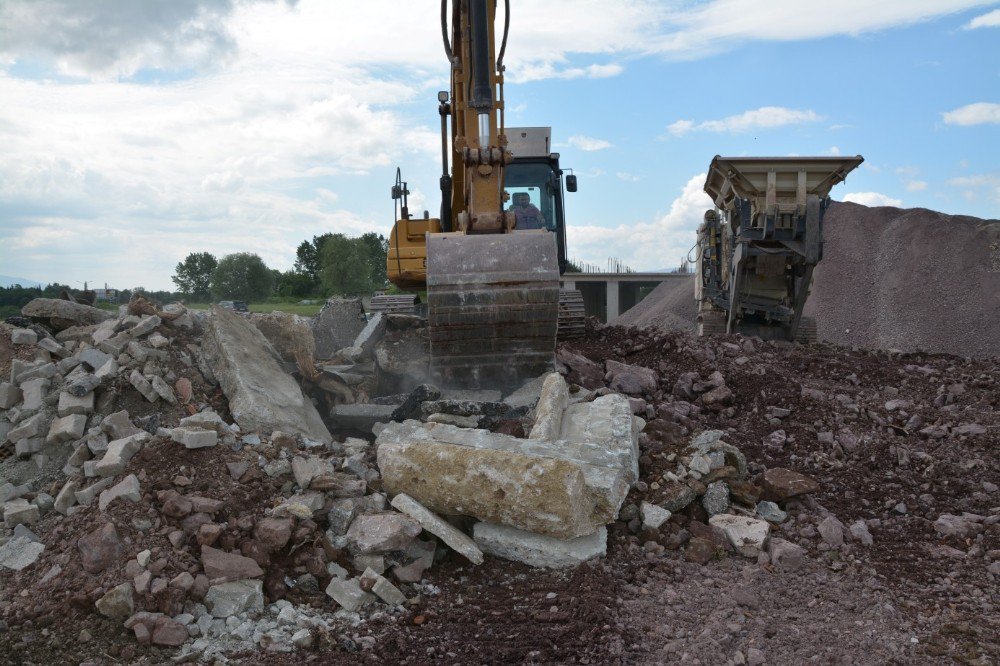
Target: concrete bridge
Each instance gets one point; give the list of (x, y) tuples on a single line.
[(607, 295)]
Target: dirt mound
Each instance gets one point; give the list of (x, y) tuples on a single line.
[(890, 278), (669, 307), (908, 279)]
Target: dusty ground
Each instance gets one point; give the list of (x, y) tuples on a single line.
[(913, 596)]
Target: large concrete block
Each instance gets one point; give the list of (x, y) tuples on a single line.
[(496, 478), (262, 396), (537, 550), (287, 333), (337, 325), (60, 314)]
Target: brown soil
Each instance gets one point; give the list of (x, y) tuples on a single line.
[(903, 600)]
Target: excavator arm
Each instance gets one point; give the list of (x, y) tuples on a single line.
[(492, 290)]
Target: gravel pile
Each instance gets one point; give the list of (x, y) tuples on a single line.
[(890, 279), (908, 279)]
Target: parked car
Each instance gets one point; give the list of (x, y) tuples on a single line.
[(235, 306)]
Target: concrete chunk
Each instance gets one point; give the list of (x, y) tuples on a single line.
[(262, 396), (85, 496), (34, 392), (460, 471), (747, 535), (241, 596), (60, 314), (23, 336), (10, 395), (71, 404), (552, 402), (32, 427), (453, 538), (128, 488), (145, 326), (66, 429), (382, 588), (194, 438), (20, 553), (143, 386), (20, 512), (119, 453), (348, 593), (537, 550)]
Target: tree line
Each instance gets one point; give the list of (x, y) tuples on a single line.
[(329, 264)]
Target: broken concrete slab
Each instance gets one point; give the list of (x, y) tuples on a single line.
[(605, 424), (537, 550), (34, 392), (361, 416), (262, 396), (381, 532), (288, 333), (497, 478), (371, 333), (452, 537), (20, 512), (381, 587), (337, 325), (145, 326), (60, 314)]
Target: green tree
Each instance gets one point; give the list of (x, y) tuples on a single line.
[(344, 266), (377, 247), (243, 277), (193, 276), (292, 284)]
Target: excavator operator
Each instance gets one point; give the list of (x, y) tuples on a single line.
[(528, 216)]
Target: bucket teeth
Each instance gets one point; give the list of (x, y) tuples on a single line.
[(493, 307)]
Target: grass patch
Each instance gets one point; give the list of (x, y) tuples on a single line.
[(292, 307)]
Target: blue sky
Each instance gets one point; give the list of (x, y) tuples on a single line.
[(134, 136)]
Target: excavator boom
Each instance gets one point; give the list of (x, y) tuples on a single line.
[(492, 288)]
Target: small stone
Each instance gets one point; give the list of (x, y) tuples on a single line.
[(220, 564), (653, 516), (785, 554), (538, 550), (781, 484), (302, 639), (193, 438), (128, 489), (383, 532), (716, 498), (382, 588), (169, 632), (348, 594), (117, 603), (23, 336), (859, 532), (771, 512), (747, 535), (832, 531), (228, 599)]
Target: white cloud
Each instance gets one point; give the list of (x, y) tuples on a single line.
[(988, 20), (974, 186), (628, 177), (833, 150), (766, 117), (665, 241), (872, 199), (720, 25), (588, 144), (916, 186), (980, 113)]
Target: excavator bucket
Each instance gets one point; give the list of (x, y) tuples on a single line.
[(493, 307)]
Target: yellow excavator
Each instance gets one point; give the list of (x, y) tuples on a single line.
[(491, 261)]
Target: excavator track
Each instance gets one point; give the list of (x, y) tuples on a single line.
[(572, 316), (493, 307)]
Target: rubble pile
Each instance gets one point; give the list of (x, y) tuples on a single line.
[(181, 485)]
